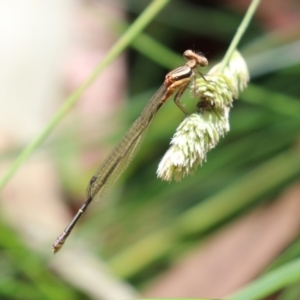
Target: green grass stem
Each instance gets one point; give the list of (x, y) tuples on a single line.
[(141, 22), (270, 283), (239, 33)]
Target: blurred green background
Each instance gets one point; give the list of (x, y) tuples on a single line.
[(234, 220)]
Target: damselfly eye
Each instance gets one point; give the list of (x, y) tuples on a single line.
[(202, 60), (188, 54)]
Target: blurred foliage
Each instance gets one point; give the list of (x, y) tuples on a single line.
[(152, 223), (25, 275)]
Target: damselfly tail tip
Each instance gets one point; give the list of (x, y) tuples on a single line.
[(59, 242), (56, 247)]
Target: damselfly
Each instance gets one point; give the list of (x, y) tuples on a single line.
[(118, 160)]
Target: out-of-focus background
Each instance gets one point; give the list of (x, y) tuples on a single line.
[(234, 220)]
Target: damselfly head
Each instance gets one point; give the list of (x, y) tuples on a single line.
[(198, 58)]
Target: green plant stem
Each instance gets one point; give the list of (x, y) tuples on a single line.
[(270, 283), (239, 33), (141, 22)]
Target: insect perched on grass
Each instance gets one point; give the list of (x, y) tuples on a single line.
[(118, 160)]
